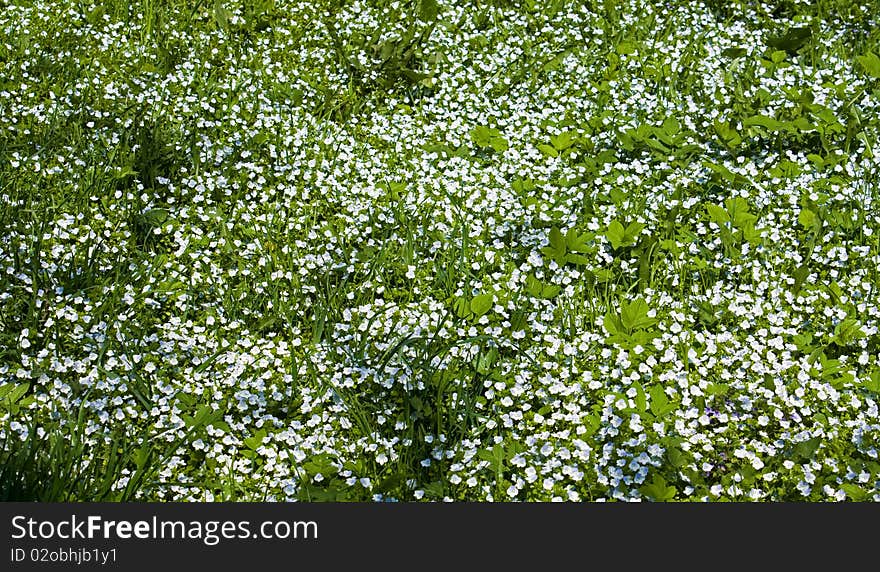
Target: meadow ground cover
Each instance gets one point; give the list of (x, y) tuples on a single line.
[(439, 250)]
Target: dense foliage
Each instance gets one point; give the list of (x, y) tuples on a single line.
[(439, 250)]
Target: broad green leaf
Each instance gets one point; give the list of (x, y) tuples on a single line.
[(766, 122), (557, 240), (562, 141), (616, 234), (855, 492), (871, 64), (718, 214), (658, 490), (15, 392), (808, 219), (641, 398), (848, 331), (805, 449), (612, 324), (221, 15), (578, 242), (792, 40), (428, 10), (660, 404), (499, 144), (534, 286), (634, 315), (462, 307), (481, 304), (734, 53), (873, 381), (577, 259), (633, 230), (548, 150)]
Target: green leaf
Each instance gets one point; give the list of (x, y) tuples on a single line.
[(15, 392), (721, 170), (763, 121), (462, 307), (548, 150), (634, 315), (221, 15), (658, 490), (641, 398), (616, 234), (550, 291), (873, 381), (562, 141), (499, 144), (718, 214), (428, 10), (734, 53), (557, 241), (728, 135), (534, 286), (481, 135), (154, 217), (871, 64), (254, 443), (855, 492), (660, 404), (848, 331), (577, 259), (626, 48), (481, 304), (578, 242), (808, 219), (805, 449), (793, 39), (488, 138), (633, 230), (493, 456), (612, 324)]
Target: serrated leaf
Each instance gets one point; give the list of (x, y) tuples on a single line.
[(634, 315)]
